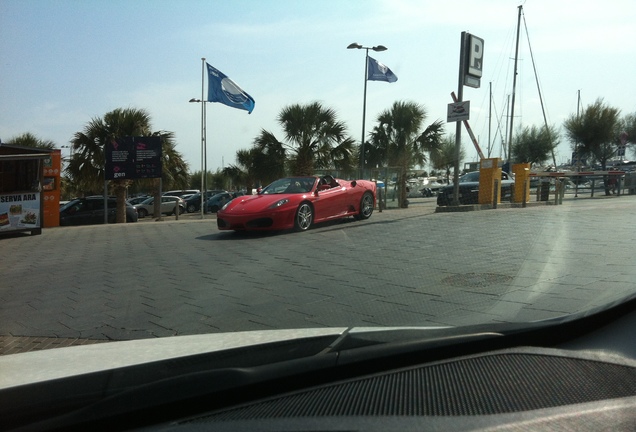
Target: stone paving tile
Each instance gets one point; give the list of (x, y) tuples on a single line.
[(345, 273)]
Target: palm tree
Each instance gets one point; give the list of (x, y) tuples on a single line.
[(399, 134), (315, 139), (444, 158), (86, 168), (27, 139), (243, 172), (270, 158)]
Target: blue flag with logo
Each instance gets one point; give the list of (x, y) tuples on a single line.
[(376, 71), (224, 90)]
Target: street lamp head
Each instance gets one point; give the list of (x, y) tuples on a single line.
[(354, 45), (379, 48), (195, 100)]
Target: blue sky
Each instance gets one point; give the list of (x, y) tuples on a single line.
[(63, 62)]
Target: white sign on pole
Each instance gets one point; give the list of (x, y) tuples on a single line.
[(475, 61), (458, 111)]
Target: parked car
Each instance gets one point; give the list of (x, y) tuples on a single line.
[(193, 203), (217, 202), (180, 192), (431, 188), (298, 203), (137, 200), (469, 189), (147, 207), (90, 210)]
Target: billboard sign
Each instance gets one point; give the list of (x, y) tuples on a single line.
[(20, 211), (133, 158)]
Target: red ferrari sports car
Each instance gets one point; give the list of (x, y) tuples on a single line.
[(299, 202)]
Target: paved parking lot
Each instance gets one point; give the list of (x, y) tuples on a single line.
[(406, 267)]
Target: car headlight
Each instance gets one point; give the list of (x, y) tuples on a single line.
[(225, 205), (278, 203)]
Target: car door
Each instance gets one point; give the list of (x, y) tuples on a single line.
[(330, 202), (96, 207), (112, 211), (76, 214), (167, 205)]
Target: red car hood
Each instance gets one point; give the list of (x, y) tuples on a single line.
[(257, 203)]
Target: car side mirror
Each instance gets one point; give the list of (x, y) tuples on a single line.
[(354, 183)]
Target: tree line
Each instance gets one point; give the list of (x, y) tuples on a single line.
[(314, 140)]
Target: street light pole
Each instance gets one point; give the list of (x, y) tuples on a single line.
[(356, 45), (204, 150)]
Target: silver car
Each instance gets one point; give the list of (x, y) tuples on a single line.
[(168, 204)]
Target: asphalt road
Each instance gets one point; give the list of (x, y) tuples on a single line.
[(399, 268)]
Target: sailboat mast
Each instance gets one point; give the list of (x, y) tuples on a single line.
[(503, 138), (489, 114), (514, 87), (536, 78)]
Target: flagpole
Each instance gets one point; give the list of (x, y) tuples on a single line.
[(216, 93), (203, 144)]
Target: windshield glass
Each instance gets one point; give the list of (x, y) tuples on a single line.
[(346, 214), (68, 205), (290, 185), (470, 177)]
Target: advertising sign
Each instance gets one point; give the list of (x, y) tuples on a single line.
[(19, 211), (133, 158)]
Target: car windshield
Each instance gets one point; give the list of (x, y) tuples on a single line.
[(470, 177), (322, 198), (290, 185), (218, 197), (68, 205)]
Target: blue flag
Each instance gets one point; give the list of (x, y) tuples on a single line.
[(376, 71), (224, 90)]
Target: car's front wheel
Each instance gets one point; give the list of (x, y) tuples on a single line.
[(304, 217), (191, 208), (366, 206), (142, 212)]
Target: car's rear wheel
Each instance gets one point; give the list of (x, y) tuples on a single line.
[(366, 206), (304, 217), (142, 212)]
